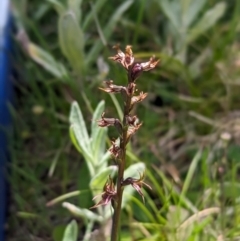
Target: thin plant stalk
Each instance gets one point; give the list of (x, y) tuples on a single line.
[(126, 129), (121, 168)]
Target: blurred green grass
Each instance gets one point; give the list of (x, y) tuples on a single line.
[(193, 100)]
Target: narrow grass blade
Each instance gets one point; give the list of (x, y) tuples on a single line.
[(144, 209), (199, 216), (54, 162), (27, 215), (190, 174), (170, 186), (63, 197)]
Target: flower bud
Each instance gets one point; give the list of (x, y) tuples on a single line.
[(135, 71), (132, 130), (125, 59), (132, 120), (111, 88), (115, 150), (104, 122)]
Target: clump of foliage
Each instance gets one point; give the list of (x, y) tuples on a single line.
[(189, 143)]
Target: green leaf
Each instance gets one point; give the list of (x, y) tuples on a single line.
[(82, 212), (99, 145), (71, 40), (75, 6), (79, 135), (96, 116), (172, 12), (83, 185), (58, 6), (104, 159), (185, 5), (47, 61), (134, 170), (79, 126), (192, 12), (208, 20), (79, 144), (74, 139), (71, 232), (100, 179), (98, 135)]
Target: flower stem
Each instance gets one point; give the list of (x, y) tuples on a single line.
[(121, 167)]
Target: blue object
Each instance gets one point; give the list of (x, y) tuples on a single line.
[(5, 97)]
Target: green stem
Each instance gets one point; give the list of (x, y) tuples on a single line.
[(117, 205)]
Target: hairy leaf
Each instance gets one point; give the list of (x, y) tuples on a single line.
[(71, 232), (208, 20), (71, 40)]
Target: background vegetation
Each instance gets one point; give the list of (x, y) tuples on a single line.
[(191, 132)]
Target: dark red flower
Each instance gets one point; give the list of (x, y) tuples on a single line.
[(136, 184), (109, 193), (115, 150)]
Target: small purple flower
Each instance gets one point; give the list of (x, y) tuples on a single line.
[(108, 194), (136, 184)]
